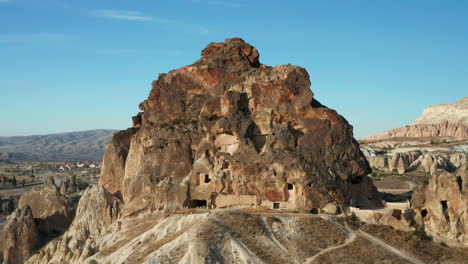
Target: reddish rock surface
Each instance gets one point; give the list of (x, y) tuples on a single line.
[(229, 131)]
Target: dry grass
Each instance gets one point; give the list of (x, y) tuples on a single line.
[(424, 249)]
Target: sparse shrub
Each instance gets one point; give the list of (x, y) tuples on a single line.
[(11, 205)]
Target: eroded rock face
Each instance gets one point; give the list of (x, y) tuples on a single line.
[(430, 162), (52, 210), (19, 236), (443, 206), (229, 131), (97, 210)]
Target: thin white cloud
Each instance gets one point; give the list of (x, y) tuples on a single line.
[(122, 15)]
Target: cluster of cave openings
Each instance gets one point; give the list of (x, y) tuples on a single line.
[(257, 137), (227, 143), (445, 210)]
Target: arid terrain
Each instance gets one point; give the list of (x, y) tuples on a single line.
[(72, 146), (234, 161)]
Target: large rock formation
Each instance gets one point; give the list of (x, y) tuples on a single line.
[(443, 206), (447, 120), (229, 131), (51, 209), (19, 237), (223, 132)]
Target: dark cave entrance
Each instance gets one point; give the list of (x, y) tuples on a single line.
[(207, 178), (276, 205), (445, 210), (460, 183), (314, 211), (197, 203)]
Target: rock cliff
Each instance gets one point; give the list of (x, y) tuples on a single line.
[(229, 131)]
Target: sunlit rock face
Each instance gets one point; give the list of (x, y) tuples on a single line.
[(442, 206), (229, 131)]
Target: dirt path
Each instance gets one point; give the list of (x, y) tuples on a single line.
[(350, 237), (386, 246)]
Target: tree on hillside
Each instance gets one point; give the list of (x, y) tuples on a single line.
[(14, 181), (73, 178), (11, 205), (23, 182)]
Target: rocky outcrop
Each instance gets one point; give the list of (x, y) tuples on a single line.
[(229, 131), (19, 237), (68, 187), (443, 206), (429, 162), (52, 210), (223, 132), (96, 212)]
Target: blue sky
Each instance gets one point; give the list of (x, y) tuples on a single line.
[(78, 65)]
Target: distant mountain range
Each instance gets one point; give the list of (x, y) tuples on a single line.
[(72, 146)]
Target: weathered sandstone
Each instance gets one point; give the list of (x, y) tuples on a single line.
[(19, 237), (51, 209)]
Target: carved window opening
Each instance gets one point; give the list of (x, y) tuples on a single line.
[(290, 186), (424, 213), (207, 179), (445, 210), (257, 137), (356, 180), (460, 183), (276, 205)]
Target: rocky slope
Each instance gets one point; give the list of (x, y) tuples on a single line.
[(449, 121), (72, 146), (225, 131)]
